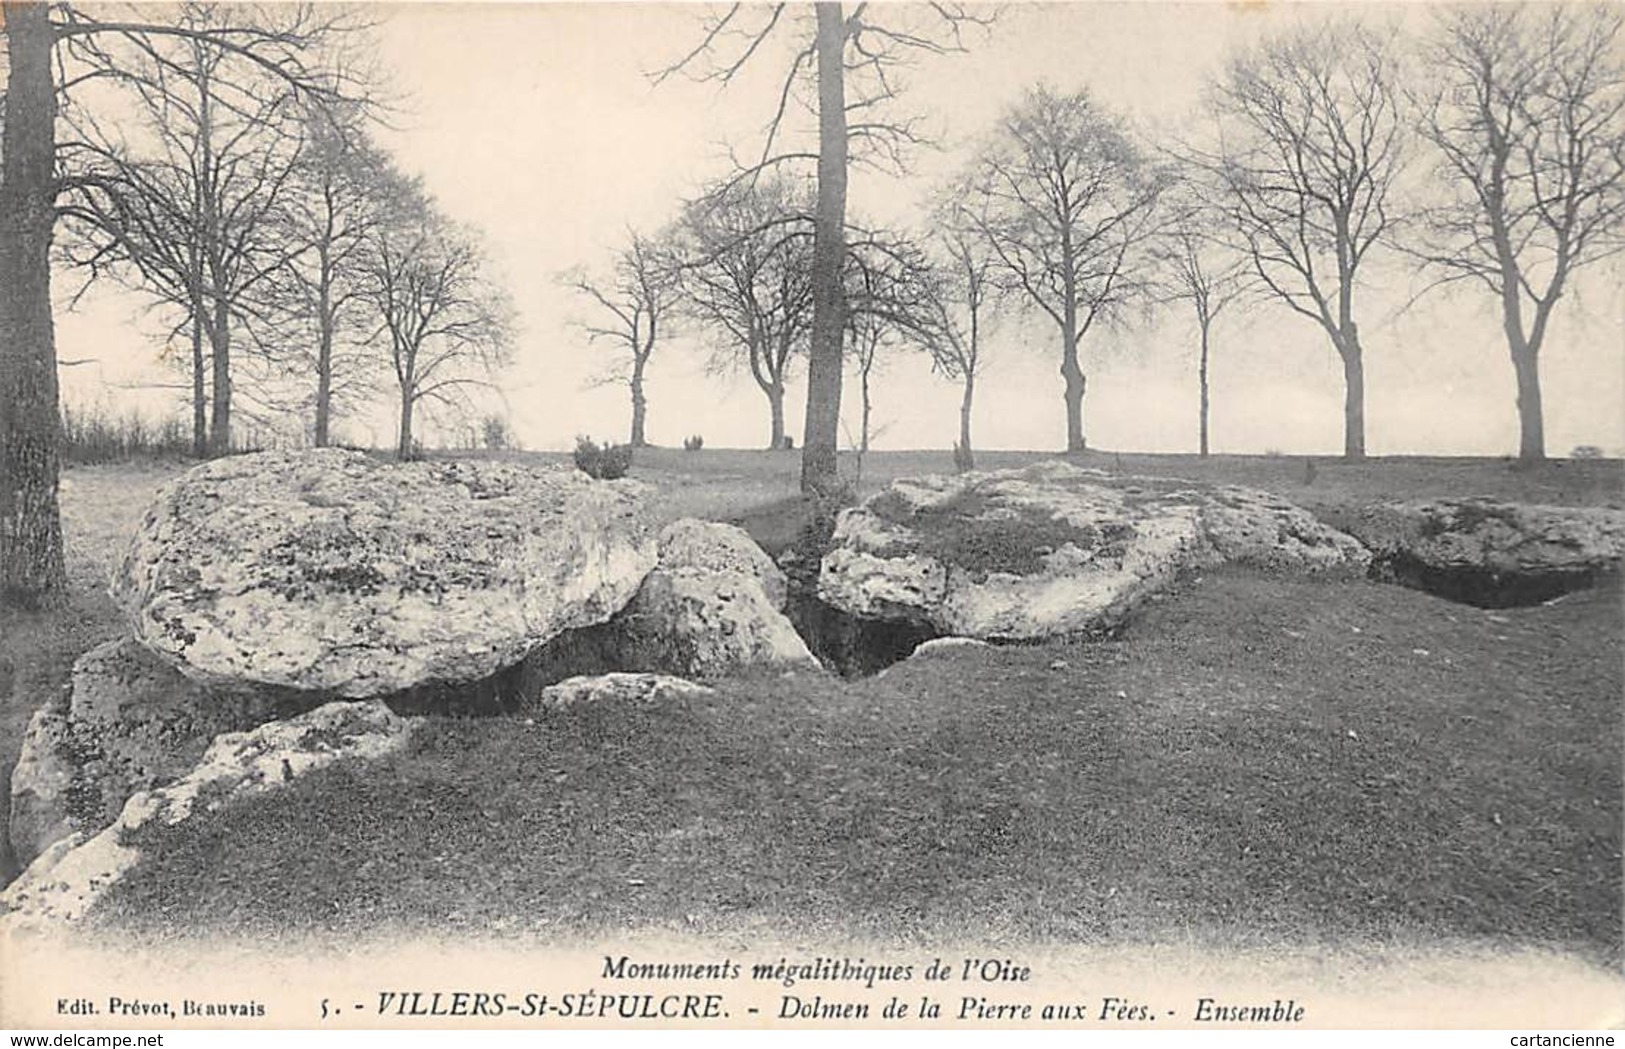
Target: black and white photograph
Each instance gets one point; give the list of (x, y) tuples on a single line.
[(1079, 515)]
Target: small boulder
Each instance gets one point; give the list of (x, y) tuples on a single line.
[(708, 546), (67, 879), (710, 607), (128, 722), (932, 646), (618, 687), (331, 571)]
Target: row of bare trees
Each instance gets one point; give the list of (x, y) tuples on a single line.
[(215, 158), (248, 204), (265, 224), (1489, 151), (735, 267), (1497, 158)]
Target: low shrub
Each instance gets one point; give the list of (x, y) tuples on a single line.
[(604, 462), (1586, 451), (694, 443)]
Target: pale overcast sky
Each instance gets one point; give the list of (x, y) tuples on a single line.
[(537, 125)]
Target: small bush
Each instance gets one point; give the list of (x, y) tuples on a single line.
[(1586, 451), (788, 443), (694, 443), (604, 462)]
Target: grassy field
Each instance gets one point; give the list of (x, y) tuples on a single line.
[(1255, 760), (1337, 763)]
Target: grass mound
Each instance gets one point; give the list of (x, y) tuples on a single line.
[(1256, 760)]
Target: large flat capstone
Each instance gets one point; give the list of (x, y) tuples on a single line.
[(333, 571), (1051, 549)]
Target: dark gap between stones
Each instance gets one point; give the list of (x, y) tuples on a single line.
[(1485, 588), (510, 691), (850, 646)]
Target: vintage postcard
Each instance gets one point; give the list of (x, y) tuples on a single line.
[(1093, 516)]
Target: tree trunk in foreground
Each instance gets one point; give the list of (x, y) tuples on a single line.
[(819, 472), (32, 570)]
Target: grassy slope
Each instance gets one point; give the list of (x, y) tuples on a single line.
[(783, 785), (1335, 762)]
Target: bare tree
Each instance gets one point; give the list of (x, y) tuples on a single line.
[(220, 142), (1199, 269), (31, 561), (746, 276), (883, 308), (443, 325), (1527, 122), (343, 188), (1070, 199), (637, 297), (1309, 144), (850, 55), (141, 229), (960, 289)]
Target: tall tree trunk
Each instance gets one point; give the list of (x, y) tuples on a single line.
[(200, 396), (818, 462), (775, 407), (403, 450), (32, 570), (1075, 385), (967, 456), (324, 357), (1531, 417), (640, 405), (194, 293), (1202, 378), (868, 405), (1353, 396), (220, 345), (220, 323)]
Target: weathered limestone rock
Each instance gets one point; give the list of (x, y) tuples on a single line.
[(328, 570), (707, 546), (67, 879), (711, 606), (1491, 553), (618, 687), (127, 722), (1250, 527), (935, 645), (1051, 549)]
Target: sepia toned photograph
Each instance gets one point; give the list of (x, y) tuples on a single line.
[(1084, 515)]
